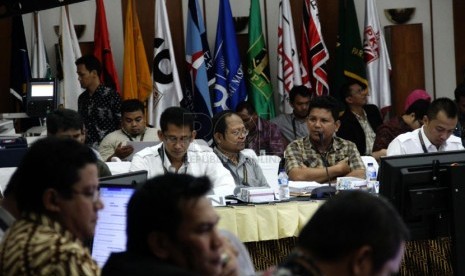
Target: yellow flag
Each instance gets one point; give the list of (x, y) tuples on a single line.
[(137, 82)]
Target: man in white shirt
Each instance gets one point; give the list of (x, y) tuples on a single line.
[(177, 153), (435, 135), (133, 128)]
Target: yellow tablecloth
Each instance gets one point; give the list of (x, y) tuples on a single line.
[(264, 222)]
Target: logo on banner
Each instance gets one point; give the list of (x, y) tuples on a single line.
[(371, 45)]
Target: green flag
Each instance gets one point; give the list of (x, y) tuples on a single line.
[(258, 71), (349, 49)]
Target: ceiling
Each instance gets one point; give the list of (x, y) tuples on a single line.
[(15, 7)]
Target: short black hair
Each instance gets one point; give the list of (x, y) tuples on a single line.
[(132, 105), (446, 105), (158, 207), (351, 220), (219, 121), (345, 89), (419, 107), (49, 163), (300, 90), (247, 106), (326, 102), (62, 120), (177, 116), (459, 91), (90, 62)]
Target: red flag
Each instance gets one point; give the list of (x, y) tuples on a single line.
[(102, 49), (313, 49)]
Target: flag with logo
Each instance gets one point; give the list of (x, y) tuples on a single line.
[(167, 88), (197, 94), (20, 70), (349, 50), (70, 51), (313, 49), (377, 59), (102, 49), (258, 67), (137, 81), (40, 67), (230, 87), (290, 71)]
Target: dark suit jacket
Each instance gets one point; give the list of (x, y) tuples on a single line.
[(352, 130)]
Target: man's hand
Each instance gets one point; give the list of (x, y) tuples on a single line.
[(343, 167), (123, 151), (229, 259)]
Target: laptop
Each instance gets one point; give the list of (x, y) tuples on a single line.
[(110, 230), (136, 178)]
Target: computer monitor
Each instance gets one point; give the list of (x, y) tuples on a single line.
[(110, 230), (41, 97), (136, 178), (427, 190)]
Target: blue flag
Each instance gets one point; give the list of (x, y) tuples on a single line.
[(230, 87), (197, 94), (20, 69)]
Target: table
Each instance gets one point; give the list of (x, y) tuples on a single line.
[(269, 232)]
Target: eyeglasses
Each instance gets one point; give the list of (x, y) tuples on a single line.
[(243, 132), (93, 195), (174, 140)]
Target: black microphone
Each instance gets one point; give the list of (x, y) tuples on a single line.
[(321, 136)]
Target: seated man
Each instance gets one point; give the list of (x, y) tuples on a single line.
[(410, 120), (133, 128), (292, 126), (172, 230), (229, 135), (322, 156), (263, 135), (56, 188), (354, 233), (436, 133), (360, 120), (177, 153), (67, 123)]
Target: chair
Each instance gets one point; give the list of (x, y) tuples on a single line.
[(370, 159)]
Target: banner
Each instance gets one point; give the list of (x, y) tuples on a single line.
[(40, 67), (197, 94), (349, 51), (258, 67), (137, 82), (230, 87), (290, 72), (167, 88), (70, 51), (20, 70), (313, 49), (102, 49), (377, 59)]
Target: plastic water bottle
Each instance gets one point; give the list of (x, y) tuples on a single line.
[(371, 172), (283, 182)]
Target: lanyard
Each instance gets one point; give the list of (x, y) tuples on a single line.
[(425, 150), (161, 152)]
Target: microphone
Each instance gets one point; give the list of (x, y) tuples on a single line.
[(321, 136)]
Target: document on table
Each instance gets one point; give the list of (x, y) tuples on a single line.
[(140, 145), (304, 186)]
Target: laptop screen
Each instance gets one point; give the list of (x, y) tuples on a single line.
[(110, 231)]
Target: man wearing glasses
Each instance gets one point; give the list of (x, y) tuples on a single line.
[(229, 142), (56, 189), (178, 154)]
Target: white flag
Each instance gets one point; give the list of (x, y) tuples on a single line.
[(167, 88), (70, 51), (377, 59), (40, 67), (289, 66)]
